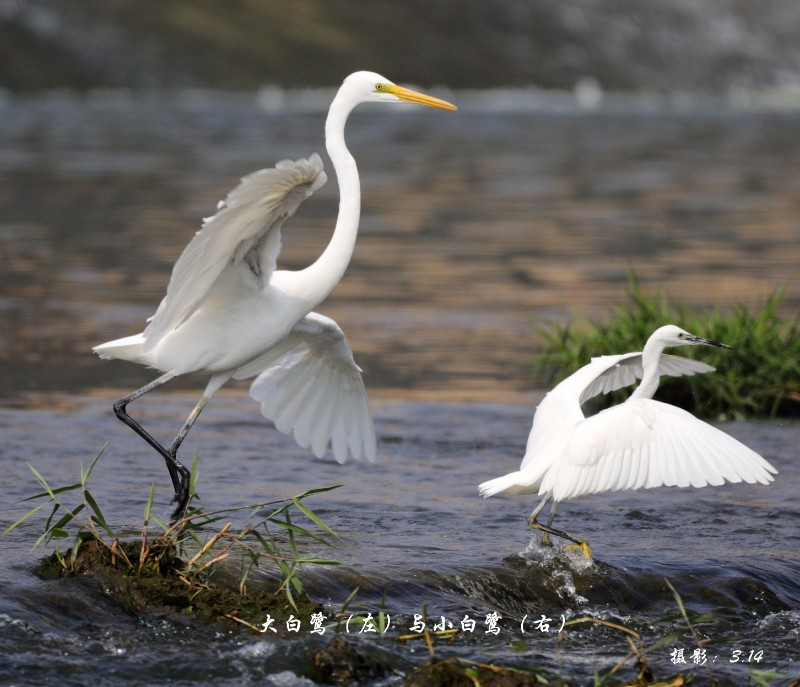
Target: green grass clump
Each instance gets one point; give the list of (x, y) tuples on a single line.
[(179, 566), (759, 378)]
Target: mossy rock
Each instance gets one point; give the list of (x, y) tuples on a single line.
[(157, 583)]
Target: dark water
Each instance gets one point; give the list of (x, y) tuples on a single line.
[(474, 224), (414, 534)]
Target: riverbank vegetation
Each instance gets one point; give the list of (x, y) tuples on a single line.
[(760, 377)]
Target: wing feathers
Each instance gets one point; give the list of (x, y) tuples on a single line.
[(249, 219), (310, 387), (646, 443), (618, 371)]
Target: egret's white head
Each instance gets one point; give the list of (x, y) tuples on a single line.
[(670, 335), (371, 87)]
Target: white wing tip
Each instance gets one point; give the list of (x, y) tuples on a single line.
[(367, 449)]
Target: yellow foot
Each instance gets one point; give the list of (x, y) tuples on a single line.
[(583, 546), (546, 541)]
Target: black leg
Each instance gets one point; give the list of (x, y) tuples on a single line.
[(182, 494), (179, 474), (120, 410), (547, 529), (535, 525)]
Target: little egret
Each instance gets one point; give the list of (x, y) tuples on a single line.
[(638, 444), (229, 313)]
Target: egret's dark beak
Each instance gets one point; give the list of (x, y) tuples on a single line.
[(707, 342)]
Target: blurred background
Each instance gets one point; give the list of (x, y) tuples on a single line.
[(663, 45), (593, 137)]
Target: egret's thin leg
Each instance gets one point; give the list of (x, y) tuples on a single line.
[(120, 410), (552, 515), (550, 518), (547, 529), (533, 523), (182, 492), (532, 517)]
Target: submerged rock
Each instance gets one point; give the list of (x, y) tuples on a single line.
[(343, 661), (448, 673)]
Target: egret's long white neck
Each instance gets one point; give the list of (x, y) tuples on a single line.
[(321, 277), (651, 357)]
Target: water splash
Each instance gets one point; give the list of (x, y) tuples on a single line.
[(548, 556), (286, 678)]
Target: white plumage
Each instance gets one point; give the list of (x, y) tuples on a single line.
[(639, 444), (244, 234), (310, 387), (228, 312)]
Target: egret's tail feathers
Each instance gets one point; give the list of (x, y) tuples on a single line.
[(127, 348), (512, 483)]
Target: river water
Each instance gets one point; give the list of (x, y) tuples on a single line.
[(476, 224)]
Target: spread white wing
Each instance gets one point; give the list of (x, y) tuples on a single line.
[(245, 229), (601, 375), (617, 371), (645, 443), (310, 387)]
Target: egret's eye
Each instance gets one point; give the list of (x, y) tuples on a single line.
[(379, 87)]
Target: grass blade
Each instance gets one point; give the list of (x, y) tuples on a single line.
[(51, 493), (23, 518), (64, 520), (149, 505), (314, 518), (318, 490), (299, 530), (85, 475), (98, 515)]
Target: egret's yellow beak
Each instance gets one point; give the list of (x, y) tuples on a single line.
[(409, 96)]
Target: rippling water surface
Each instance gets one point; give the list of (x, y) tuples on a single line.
[(474, 224)]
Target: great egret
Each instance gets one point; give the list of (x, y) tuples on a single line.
[(641, 443), (230, 313)]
